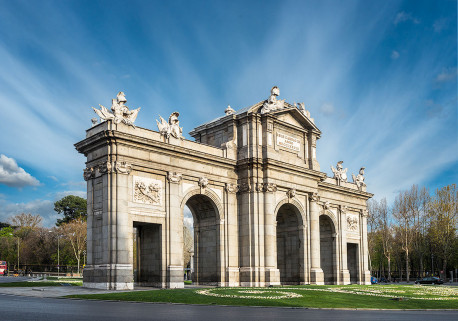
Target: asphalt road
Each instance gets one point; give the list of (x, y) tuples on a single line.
[(32, 308)]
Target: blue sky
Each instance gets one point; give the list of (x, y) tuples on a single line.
[(379, 77)]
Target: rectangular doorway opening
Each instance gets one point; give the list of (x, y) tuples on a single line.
[(352, 262), (147, 254)]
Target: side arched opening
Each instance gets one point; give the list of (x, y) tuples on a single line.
[(328, 249), (290, 245), (206, 257)]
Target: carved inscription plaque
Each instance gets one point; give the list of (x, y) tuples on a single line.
[(147, 191), (289, 142)]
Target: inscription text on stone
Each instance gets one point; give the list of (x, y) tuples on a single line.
[(288, 142)]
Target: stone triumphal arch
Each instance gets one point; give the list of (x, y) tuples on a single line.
[(264, 214)]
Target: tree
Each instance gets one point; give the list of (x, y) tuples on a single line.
[(443, 210), (405, 219), (386, 231), (188, 243), (72, 207), (24, 220), (75, 232), (2, 225)]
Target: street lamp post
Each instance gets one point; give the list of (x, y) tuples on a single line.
[(58, 254), (58, 257), (18, 253)]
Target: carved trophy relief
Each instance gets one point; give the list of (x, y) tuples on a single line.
[(147, 191), (352, 223)]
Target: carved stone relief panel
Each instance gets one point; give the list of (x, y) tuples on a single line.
[(147, 190), (352, 223)]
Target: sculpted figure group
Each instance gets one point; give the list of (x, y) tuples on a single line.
[(340, 174), (171, 128), (119, 111)]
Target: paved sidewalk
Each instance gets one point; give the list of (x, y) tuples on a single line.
[(53, 291)]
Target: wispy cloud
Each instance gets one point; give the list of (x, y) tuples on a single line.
[(327, 109), (448, 74), (14, 176), (405, 17), (62, 194), (441, 24), (394, 55), (44, 208)]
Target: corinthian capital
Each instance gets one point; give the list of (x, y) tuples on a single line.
[(270, 187), (174, 177), (313, 197), (122, 167)]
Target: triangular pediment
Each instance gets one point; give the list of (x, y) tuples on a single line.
[(293, 116)]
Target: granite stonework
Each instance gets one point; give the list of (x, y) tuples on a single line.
[(264, 214)]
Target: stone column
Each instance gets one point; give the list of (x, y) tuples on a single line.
[(232, 238), (272, 276), (344, 272), (366, 273), (175, 238), (123, 269), (316, 273)]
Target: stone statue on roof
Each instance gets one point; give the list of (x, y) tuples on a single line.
[(272, 104), (359, 179), (119, 111), (340, 174), (172, 127)]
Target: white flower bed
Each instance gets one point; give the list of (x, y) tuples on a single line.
[(276, 294), (413, 293)]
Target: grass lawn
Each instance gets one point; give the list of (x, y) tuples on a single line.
[(350, 296)]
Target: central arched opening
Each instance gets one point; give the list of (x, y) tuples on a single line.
[(328, 249), (206, 256), (289, 244)]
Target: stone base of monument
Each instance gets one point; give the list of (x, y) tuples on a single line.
[(252, 277), (232, 276), (108, 277), (317, 276), (345, 277), (272, 277), (175, 277), (366, 278)]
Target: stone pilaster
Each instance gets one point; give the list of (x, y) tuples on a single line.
[(232, 269), (366, 273), (175, 237), (270, 237), (316, 273), (344, 272)]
